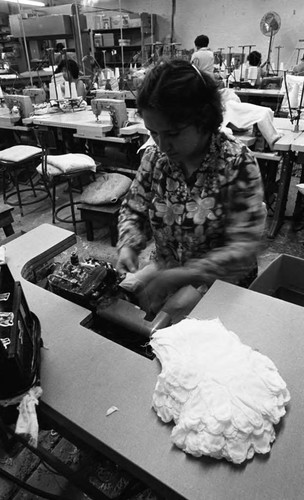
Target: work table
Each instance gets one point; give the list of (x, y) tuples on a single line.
[(84, 374)]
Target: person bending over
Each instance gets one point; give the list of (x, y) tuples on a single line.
[(200, 190), (70, 71)]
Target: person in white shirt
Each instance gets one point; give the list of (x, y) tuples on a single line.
[(203, 57), (299, 68)]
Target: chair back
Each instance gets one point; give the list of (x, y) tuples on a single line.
[(293, 92), (46, 140)]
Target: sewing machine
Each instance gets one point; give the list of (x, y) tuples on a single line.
[(37, 96), (111, 94), (117, 109), (20, 106)]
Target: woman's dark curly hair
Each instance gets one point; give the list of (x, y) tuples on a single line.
[(182, 93), (71, 66)]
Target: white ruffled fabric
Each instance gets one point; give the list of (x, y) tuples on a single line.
[(223, 396)]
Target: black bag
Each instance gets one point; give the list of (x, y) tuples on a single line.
[(20, 340)]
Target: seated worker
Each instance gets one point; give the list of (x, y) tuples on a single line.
[(203, 57), (58, 54), (254, 61), (199, 189), (70, 71), (299, 68)]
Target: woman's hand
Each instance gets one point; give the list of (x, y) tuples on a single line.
[(127, 261), (156, 292)]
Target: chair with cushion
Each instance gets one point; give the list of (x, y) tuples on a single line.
[(55, 169), (18, 165), (100, 202)]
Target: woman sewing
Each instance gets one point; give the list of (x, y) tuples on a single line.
[(70, 71), (200, 190)]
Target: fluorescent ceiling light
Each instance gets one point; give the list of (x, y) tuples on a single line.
[(27, 2)]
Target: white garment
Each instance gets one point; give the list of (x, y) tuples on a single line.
[(223, 396), (243, 115), (203, 59)]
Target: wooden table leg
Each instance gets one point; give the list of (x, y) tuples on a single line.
[(284, 183), (89, 230), (6, 220)]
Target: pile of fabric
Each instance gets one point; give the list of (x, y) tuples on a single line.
[(223, 396)]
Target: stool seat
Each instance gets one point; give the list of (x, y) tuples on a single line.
[(61, 168), (19, 153), (13, 162), (103, 214)]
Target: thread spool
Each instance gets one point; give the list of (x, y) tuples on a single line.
[(52, 91), (73, 91), (294, 96), (59, 93), (67, 93)]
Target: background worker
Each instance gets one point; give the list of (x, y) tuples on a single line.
[(203, 57), (299, 68), (70, 72), (254, 61)]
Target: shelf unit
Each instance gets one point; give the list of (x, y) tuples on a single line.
[(10, 48), (107, 48)]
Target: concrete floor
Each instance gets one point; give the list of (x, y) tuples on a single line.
[(22, 463)]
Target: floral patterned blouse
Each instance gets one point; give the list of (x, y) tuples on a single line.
[(213, 221)]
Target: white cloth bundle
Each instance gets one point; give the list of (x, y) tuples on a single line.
[(223, 396), (68, 163), (243, 115), (72, 161)]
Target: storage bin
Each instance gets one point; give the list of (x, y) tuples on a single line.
[(124, 42), (283, 279), (108, 39)]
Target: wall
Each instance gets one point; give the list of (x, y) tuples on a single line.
[(228, 22)]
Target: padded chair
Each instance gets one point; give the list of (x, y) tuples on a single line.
[(56, 169), (18, 162)]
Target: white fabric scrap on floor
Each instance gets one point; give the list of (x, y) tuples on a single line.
[(223, 396), (27, 422)]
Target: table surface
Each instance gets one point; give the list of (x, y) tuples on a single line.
[(94, 374), (259, 92), (74, 119), (290, 136)]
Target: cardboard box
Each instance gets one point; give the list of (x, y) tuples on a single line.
[(116, 21), (106, 22), (283, 279), (98, 40), (98, 22), (134, 22), (54, 24), (108, 39)]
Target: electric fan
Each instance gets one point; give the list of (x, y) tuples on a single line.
[(270, 25)]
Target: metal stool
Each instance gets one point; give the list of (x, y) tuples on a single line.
[(52, 177), (72, 203), (17, 160)]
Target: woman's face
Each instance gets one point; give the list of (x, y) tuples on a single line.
[(180, 142)]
